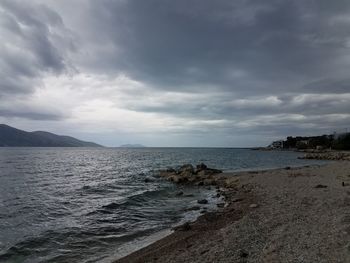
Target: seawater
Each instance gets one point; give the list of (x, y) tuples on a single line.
[(93, 204)]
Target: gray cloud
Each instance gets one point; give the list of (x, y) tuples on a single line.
[(257, 67), (28, 45), (31, 115), (244, 46)]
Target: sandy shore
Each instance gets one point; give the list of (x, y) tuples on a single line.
[(284, 215)]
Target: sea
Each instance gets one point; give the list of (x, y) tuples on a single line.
[(99, 204)]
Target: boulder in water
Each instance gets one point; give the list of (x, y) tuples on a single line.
[(202, 201), (179, 193)]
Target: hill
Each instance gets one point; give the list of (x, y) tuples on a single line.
[(10, 136)]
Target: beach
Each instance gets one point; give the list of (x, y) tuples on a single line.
[(280, 215)]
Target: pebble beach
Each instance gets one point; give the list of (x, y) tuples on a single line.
[(280, 215)]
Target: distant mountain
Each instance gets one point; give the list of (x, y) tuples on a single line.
[(132, 146), (10, 136)]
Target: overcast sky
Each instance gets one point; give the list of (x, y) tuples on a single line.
[(176, 73)]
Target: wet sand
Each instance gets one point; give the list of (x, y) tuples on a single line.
[(282, 215)]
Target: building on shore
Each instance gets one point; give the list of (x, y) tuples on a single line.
[(277, 144)]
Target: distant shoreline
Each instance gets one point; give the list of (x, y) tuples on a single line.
[(12, 137)]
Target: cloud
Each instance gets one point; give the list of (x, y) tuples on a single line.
[(181, 68), (245, 46), (33, 41)]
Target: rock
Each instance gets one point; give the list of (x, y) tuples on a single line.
[(327, 156), (178, 179), (186, 174), (216, 171), (202, 202), (179, 193), (204, 251), (193, 208), (185, 227), (189, 195), (231, 182), (170, 170), (166, 174), (208, 171), (148, 180), (174, 179), (253, 206), (186, 168), (220, 205), (202, 173), (287, 168), (321, 186), (208, 181), (236, 200), (201, 167), (192, 179), (243, 253)]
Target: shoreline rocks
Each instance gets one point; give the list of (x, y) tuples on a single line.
[(333, 156), (199, 176), (202, 175)]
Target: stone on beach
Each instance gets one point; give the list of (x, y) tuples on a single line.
[(321, 186), (184, 227), (328, 155), (231, 182)]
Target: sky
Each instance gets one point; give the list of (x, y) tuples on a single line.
[(176, 73)]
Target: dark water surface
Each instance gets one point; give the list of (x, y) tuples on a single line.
[(91, 204)]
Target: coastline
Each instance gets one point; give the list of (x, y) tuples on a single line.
[(278, 215)]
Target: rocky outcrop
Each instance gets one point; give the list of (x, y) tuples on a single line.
[(336, 156), (199, 176), (188, 174)]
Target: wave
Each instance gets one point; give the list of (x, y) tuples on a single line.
[(67, 243)]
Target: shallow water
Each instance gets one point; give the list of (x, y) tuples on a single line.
[(86, 204)]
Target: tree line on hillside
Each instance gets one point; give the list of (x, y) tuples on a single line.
[(334, 141)]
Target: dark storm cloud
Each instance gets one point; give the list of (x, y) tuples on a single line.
[(244, 46), (28, 47), (252, 47)]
